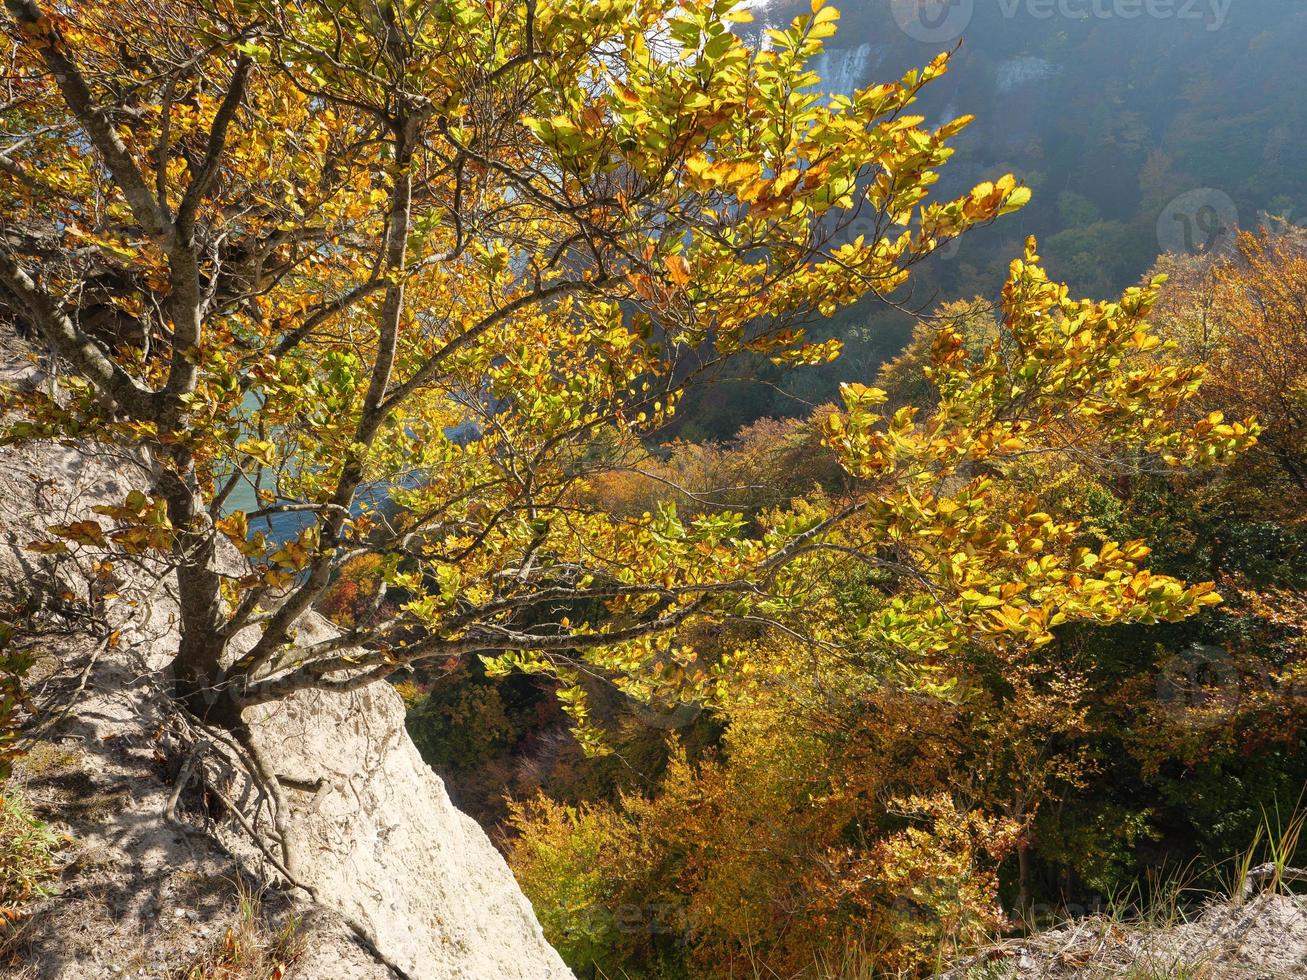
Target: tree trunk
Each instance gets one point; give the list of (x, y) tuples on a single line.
[(199, 680), (1024, 897)]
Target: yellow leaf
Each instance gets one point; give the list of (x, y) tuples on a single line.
[(678, 269)]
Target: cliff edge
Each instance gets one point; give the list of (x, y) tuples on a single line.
[(169, 856)]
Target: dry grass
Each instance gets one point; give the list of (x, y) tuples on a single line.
[(254, 947)]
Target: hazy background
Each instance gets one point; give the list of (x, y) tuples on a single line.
[(1142, 126)]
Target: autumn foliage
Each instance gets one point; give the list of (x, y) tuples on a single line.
[(909, 807), (495, 231), (432, 280), (1242, 315)]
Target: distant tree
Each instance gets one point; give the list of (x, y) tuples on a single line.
[(766, 465), (906, 378), (1245, 316)]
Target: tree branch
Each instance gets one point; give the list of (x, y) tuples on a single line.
[(77, 95), (78, 347), (217, 142)]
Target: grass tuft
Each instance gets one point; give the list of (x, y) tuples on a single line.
[(253, 947), (28, 849)]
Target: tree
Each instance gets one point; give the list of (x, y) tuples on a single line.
[(905, 722), (329, 253), (905, 376), (1249, 326)]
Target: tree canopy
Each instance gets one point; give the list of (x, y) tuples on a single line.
[(403, 269)]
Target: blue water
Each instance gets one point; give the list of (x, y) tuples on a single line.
[(278, 527), (286, 526)]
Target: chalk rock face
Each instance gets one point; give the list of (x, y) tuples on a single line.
[(375, 833)]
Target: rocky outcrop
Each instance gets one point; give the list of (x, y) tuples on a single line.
[(376, 836), (400, 876), (1264, 938)]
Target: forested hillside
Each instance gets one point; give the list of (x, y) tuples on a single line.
[(843, 807), (1138, 134)]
